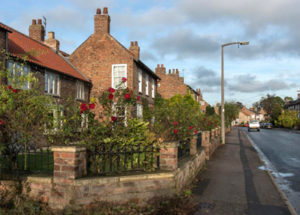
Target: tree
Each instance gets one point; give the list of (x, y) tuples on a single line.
[(210, 110), (287, 119), (288, 99), (272, 105), (232, 110)]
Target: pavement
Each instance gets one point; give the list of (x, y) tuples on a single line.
[(232, 183)]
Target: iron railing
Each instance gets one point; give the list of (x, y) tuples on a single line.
[(184, 149), (116, 159), (17, 160), (199, 140)]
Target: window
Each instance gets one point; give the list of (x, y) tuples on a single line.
[(139, 110), (120, 112), (140, 79), (80, 90), (147, 84), (18, 75), (153, 88), (119, 71), (52, 83)]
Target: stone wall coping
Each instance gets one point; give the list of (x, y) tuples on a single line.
[(171, 144), (39, 179), (183, 163), (68, 149), (109, 180)]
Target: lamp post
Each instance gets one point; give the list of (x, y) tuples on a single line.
[(222, 87)]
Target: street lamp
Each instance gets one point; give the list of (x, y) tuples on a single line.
[(222, 87)]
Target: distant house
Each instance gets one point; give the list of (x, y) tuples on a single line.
[(56, 75), (172, 84), (294, 105), (245, 115), (105, 61)]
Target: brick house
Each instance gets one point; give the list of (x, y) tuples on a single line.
[(245, 115), (172, 84), (56, 75), (105, 61)]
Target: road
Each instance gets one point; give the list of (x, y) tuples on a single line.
[(280, 150)]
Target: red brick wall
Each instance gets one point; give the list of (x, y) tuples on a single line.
[(170, 84)]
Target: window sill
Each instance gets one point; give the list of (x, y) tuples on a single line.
[(54, 95), (80, 100)]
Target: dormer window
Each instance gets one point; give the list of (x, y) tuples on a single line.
[(52, 84)]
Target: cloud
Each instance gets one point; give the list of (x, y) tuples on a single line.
[(250, 84)]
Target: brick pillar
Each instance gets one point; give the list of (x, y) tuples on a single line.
[(193, 145), (169, 156), (206, 144), (69, 162)]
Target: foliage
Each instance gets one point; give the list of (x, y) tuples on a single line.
[(207, 122), (287, 119), (288, 99), (23, 112), (272, 105), (232, 110), (210, 110)]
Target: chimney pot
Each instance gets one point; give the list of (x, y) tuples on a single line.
[(162, 66), (131, 43), (33, 22), (39, 21), (51, 35), (105, 10), (298, 95), (136, 43), (173, 71), (169, 71), (98, 11), (158, 66)]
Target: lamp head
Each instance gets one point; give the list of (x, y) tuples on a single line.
[(244, 43)]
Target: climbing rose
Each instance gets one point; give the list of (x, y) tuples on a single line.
[(15, 90), (175, 131), (113, 118), (110, 96), (124, 79), (175, 123), (190, 127), (111, 90), (83, 107), (92, 106), (1, 122), (9, 87), (195, 132), (127, 96), (138, 98)]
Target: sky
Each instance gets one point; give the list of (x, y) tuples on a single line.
[(188, 34)]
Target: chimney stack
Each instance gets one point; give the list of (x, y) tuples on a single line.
[(52, 42), (298, 94), (101, 22), (135, 49), (160, 70), (37, 30)]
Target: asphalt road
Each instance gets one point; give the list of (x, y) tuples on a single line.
[(280, 149)]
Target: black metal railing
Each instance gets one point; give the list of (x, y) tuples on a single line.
[(116, 159), (184, 149), (18, 160), (210, 137), (199, 140)]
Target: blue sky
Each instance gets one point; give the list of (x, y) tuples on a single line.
[(187, 34)]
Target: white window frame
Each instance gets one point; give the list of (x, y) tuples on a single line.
[(15, 69), (147, 84), (112, 75), (80, 90), (140, 80), (139, 111), (153, 88), (52, 77)]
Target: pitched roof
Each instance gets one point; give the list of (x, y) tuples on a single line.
[(246, 111), (20, 45)]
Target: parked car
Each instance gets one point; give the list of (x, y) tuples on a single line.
[(246, 125), (254, 124), (268, 125)]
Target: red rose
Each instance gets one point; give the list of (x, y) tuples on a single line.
[(195, 132), (9, 87), (1, 122), (175, 131), (110, 96), (175, 123), (124, 79), (127, 96), (15, 90), (191, 127), (83, 107), (92, 106), (138, 98), (131, 91), (111, 90), (113, 118)]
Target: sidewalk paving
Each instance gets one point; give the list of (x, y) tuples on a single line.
[(232, 184)]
